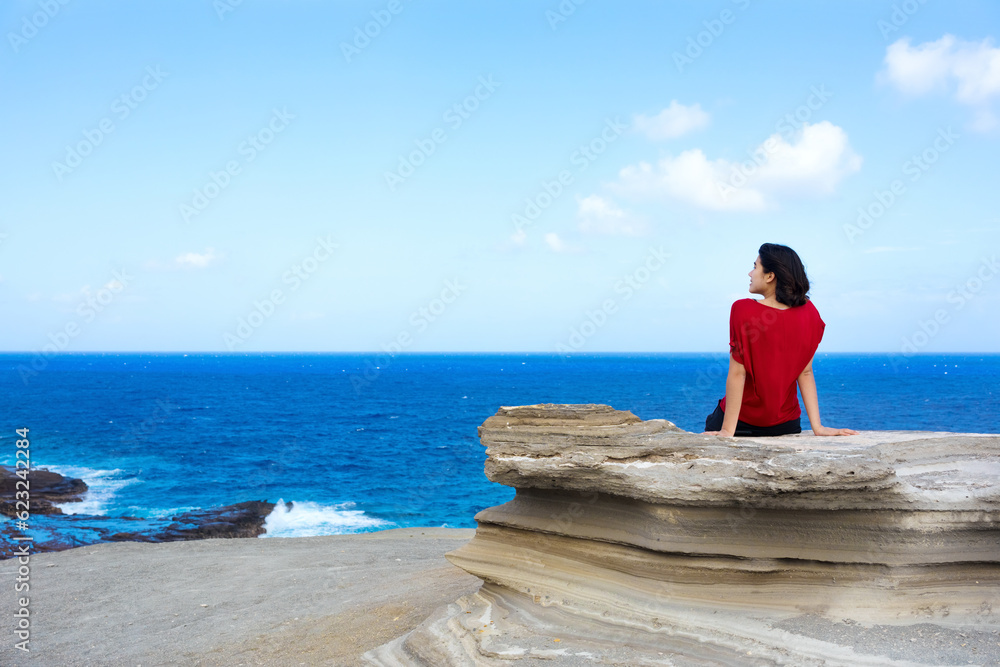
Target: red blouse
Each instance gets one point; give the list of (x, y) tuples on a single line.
[(774, 346)]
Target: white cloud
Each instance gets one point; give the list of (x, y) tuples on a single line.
[(973, 68), (193, 260), (672, 122), (600, 216), (816, 160), (518, 237), (555, 243)]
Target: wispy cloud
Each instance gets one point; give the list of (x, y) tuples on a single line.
[(194, 260), (968, 70), (598, 215), (674, 121), (555, 243)]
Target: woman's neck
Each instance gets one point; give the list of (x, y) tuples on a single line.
[(769, 300)]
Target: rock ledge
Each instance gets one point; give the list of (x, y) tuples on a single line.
[(635, 542)]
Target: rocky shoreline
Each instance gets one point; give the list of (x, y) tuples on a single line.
[(49, 489), (46, 489)]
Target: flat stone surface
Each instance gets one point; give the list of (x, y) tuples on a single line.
[(280, 601), (593, 447)]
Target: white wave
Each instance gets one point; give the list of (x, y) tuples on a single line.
[(306, 519), (102, 485)]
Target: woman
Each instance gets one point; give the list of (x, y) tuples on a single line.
[(772, 342)]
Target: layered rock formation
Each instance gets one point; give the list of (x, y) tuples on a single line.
[(635, 542)]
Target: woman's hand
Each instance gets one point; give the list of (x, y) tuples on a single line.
[(722, 434), (826, 430)]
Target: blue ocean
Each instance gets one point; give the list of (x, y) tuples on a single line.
[(362, 442)]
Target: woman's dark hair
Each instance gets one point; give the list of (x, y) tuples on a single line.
[(789, 274)]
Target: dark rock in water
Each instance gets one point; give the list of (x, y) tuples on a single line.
[(45, 488), (37, 506), (55, 531), (239, 520), (44, 483)]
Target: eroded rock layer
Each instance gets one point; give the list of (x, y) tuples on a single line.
[(677, 548)]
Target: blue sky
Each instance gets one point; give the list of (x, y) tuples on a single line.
[(493, 176)]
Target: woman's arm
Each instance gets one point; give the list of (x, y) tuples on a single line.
[(807, 385), (734, 398)]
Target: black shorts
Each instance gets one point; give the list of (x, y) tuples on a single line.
[(714, 423)]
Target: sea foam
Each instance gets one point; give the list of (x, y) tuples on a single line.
[(306, 519), (102, 486)]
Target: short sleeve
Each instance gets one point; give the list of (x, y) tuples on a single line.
[(737, 342), (819, 327), (812, 328)]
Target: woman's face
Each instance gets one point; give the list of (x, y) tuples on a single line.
[(758, 279)]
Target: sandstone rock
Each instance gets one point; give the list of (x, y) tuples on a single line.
[(635, 542)]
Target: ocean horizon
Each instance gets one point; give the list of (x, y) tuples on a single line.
[(367, 441)]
